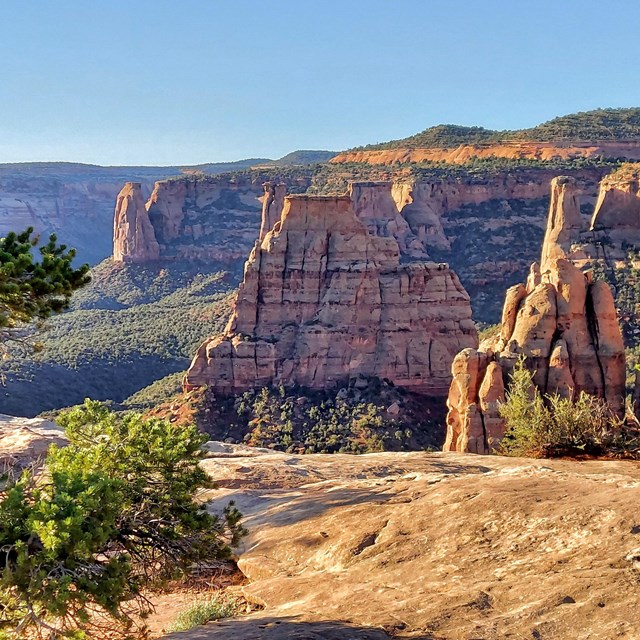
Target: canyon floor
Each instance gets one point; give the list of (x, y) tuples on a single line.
[(431, 546)]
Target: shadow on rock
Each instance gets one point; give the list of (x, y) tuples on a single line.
[(282, 628)]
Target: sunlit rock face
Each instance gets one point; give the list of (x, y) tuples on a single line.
[(330, 294), (134, 239), (563, 322)]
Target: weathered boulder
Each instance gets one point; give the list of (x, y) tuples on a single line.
[(25, 441), (326, 298)]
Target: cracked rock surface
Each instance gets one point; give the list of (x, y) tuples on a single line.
[(432, 545)]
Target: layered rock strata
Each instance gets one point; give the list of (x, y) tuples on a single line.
[(563, 322), (461, 154), (617, 209), (200, 219), (325, 298)]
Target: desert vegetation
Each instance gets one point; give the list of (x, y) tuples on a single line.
[(130, 327), (598, 124), (550, 425), (367, 415), (112, 514)]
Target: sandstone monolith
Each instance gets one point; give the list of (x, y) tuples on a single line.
[(325, 298)]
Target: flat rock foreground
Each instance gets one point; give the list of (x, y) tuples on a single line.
[(421, 545), (432, 546)]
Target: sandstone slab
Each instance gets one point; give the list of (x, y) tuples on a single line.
[(432, 546)]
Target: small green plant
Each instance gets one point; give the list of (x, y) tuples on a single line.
[(201, 612), (548, 425)]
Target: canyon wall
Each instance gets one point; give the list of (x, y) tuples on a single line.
[(73, 201), (326, 297), (203, 218), (461, 154), (471, 223), (613, 228), (562, 321)]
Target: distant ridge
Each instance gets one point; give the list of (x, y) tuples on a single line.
[(598, 124), (304, 156), (298, 157)]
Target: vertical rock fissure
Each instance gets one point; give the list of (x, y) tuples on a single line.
[(594, 332)]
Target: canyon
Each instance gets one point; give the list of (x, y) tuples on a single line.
[(470, 222), (75, 201)]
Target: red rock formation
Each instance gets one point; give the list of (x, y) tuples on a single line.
[(514, 150), (564, 223), (134, 238), (563, 322), (325, 299), (614, 226), (375, 205), (617, 210), (272, 204), (203, 218)]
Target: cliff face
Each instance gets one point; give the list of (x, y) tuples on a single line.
[(617, 210), (205, 218), (461, 154), (76, 202), (470, 223), (562, 321), (614, 226), (326, 298)]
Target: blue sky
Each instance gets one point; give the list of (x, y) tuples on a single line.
[(191, 81)]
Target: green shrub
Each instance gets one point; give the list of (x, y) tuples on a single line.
[(547, 425), (114, 512), (204, 611), (486, 331)]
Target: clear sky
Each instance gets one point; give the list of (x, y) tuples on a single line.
[(193, 81)]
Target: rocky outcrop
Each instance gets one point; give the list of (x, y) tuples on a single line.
[(375, 205), (564, 222), (428, 545), (134, 239), (471, 222), (202, 218), (325, 298), (617, 211), (24, 442), (561, 321), (614, 226), (272, 205), (540, 151)]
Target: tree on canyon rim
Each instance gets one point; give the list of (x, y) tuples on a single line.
[(115, 512), (31, 290)]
